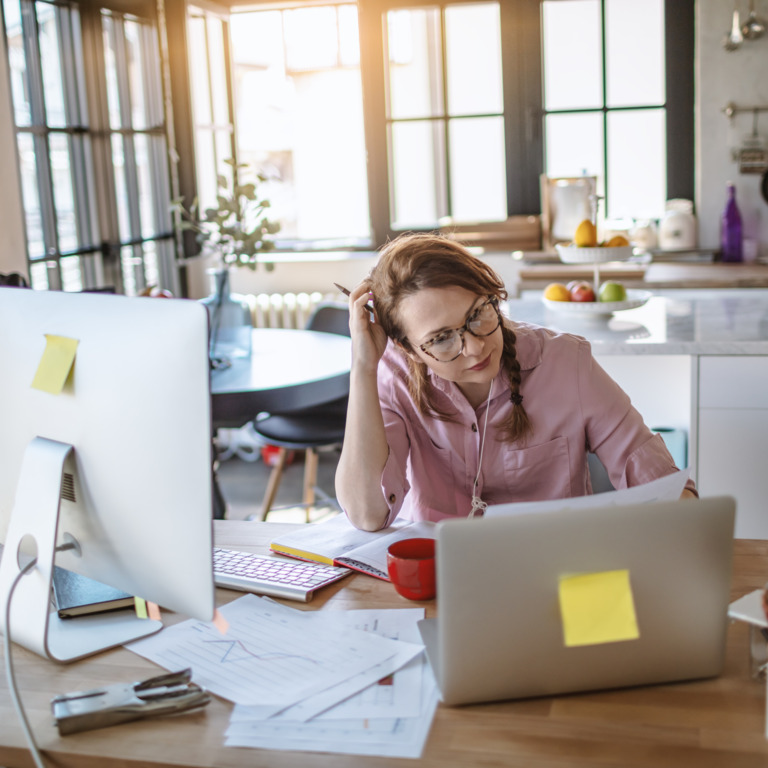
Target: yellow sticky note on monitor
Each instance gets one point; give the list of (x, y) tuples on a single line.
[(55, 364), (597, 608)]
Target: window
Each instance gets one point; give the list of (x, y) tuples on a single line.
[(92, 146), (299, 117), (607, 117), (208, 53)]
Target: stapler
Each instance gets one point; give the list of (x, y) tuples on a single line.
[(123, 702)]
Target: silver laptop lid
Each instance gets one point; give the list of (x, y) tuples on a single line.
[(500, 631)]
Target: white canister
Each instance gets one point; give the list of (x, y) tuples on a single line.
[(677, 230)]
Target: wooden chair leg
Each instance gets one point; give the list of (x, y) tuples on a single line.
[(273, 484), (310, 478)]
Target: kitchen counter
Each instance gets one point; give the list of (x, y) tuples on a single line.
[(694, 362), (532, 274), (672, 322)]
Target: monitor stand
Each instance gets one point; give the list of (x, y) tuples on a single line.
[(47, 467)]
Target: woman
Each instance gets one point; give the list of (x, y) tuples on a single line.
[(453, 407)]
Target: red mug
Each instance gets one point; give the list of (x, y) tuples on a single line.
[(411, 567)]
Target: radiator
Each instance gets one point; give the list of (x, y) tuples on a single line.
[(284, 310)]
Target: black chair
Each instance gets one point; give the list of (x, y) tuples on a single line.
[(310, 429)]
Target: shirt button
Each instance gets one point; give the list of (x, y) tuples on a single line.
[(392, 498), (474, 427)]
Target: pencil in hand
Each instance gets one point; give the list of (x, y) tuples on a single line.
[(346, 293)]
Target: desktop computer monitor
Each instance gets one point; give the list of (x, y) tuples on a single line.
[(118, 460)]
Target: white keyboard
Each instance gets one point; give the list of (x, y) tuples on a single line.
[(274, 576)]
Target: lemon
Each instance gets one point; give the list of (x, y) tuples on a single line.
[(586, 235), (557, 292), (617, 241)]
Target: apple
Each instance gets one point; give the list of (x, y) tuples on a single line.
[(610, 291), (582, 291)]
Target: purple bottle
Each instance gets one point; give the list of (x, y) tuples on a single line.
[(730, 228)]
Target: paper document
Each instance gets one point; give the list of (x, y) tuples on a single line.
[(271, 656), (666, 488), (391, 718)]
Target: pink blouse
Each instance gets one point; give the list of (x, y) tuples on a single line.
[(573, 406)]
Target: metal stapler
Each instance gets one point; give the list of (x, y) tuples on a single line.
[(122, 702)]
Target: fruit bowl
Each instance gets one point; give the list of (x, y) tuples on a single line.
[(573, 254), (635, 298)]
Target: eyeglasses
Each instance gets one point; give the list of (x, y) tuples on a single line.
[(448, 345)]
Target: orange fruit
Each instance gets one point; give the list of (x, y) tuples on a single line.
[(557, 292), (585, 235)]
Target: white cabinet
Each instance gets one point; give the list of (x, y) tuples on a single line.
[(733, 437)]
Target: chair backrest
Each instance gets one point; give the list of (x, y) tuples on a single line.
[(330, 317)]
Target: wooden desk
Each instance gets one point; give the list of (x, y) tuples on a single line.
[(718, 722)]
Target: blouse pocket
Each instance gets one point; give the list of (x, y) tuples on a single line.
[(538, 472)]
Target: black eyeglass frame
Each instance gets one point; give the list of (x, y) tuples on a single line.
[(494, 302)]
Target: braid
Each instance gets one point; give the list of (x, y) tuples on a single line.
[(518, 424)]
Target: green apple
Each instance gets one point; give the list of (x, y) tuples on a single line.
[(612, 292)]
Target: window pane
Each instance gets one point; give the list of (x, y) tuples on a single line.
[(71, 273), (121, 191), (63, 196), (113, 94), (38, 276), (572, 54), (198, 71), (417, 177), (146, 197), (131, 266), (478, 170), (135, 55), (634, 62), (349, 37), (415, 66), (574, 145), (206, 169), (311, 38), (151, 272), (637, 176), (17, 63), (294, 125), (30, 196), (218, 71), (50, 59), (473, 59)]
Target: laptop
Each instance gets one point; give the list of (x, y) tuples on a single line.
[(507, 589)]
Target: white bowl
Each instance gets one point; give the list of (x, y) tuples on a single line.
[(573, 254), (635, 298)]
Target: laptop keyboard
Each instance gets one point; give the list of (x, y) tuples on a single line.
[(274, 576)]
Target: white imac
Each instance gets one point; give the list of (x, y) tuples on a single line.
[(118, 461)]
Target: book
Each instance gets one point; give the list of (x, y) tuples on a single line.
[(77, 595), (338, 542)]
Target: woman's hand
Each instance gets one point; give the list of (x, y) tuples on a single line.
[(368, 338)]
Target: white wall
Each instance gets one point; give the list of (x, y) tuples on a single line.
[(721, 77)]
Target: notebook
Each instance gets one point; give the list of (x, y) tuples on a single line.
[(576, 600)]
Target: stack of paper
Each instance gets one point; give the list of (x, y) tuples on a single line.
[(331, 681)]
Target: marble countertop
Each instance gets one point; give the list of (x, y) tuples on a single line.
[(723, 322)]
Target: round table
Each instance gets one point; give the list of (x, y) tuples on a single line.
[(288, 369)]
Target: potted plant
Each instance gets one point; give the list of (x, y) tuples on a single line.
[(234, 233)]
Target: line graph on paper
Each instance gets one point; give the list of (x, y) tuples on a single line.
[(234, 651), (271, 655)]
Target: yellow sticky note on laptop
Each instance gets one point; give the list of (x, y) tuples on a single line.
[(597, 608), (55, 364)]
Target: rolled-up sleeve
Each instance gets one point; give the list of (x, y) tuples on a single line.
[(394, 480), (616, 432)]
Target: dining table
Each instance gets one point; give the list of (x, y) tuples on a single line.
[(288, 370)]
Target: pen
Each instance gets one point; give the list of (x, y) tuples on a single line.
[(346, 293)]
